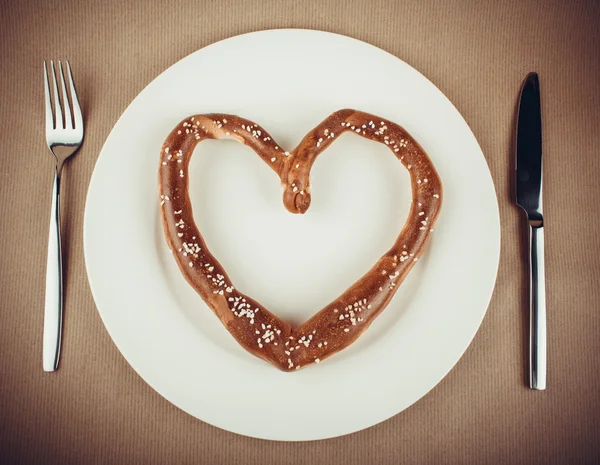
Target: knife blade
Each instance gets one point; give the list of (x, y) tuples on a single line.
[(529, 149), (529, 198)]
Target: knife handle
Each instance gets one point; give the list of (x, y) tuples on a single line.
[(537, 307)]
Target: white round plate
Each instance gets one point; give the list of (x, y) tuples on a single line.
[(288, 81)]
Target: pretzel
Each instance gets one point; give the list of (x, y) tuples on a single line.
[(341, 322)]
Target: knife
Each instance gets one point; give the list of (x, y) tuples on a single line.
[(529, 198)]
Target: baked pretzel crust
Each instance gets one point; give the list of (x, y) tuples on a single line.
[(341, 322)]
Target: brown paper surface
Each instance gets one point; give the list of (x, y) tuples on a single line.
[(96, 409)]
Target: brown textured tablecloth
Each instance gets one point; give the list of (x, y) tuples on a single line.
[(96, 409)]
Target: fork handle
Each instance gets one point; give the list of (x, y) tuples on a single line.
[(53, 312), (537, 309)]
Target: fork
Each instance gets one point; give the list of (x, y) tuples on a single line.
[(64, 135)]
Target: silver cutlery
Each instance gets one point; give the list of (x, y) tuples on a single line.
[(64, 134), (529, 198)]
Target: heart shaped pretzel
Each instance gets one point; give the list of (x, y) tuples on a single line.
[(342, 321)]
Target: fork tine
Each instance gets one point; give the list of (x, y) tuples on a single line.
[(74, 100), (49, 117), (58, 118), (68, 119)]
